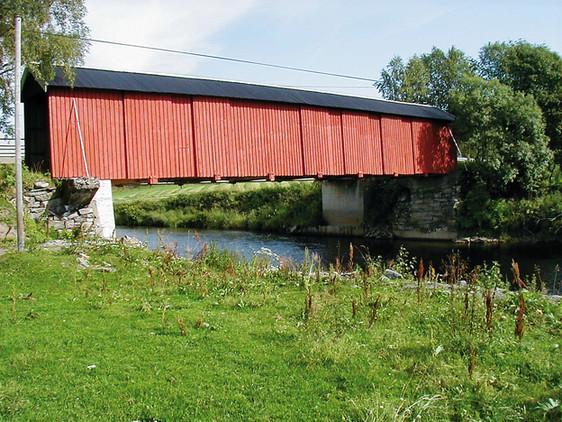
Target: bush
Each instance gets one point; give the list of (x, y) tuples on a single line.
[(539, 218)]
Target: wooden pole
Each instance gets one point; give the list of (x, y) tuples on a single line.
[(19, 176)]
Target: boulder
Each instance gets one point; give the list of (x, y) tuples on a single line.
[(41, 184), (392, 274), (6, 231)]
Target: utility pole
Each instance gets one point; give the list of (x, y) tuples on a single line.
[(19, 176)]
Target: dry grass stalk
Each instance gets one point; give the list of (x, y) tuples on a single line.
[(366, 287), (471, 361), (353, 308), (181, 325), (489, 302), (163, 319), (539, 282), (520, 318), (334, 283), (455, 268), (308, 306), (350, 258), (14, 299), (374, 310), (421, 275), (337, 265), (517, 280)]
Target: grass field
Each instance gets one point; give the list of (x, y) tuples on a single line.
[(156, 192), (163, 338), (273, 207)]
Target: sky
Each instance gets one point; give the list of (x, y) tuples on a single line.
[(355, 37)]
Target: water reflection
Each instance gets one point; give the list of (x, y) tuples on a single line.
[(245, 244)]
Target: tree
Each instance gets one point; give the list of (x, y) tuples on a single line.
[(427, 79), (533, 69), (42, 50), (500, 114), (503, 130)]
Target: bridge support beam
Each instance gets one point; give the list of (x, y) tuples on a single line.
[(409, 207), (343, 202), (102, 204)]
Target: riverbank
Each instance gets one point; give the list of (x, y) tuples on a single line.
[(106, 329), (272, 207), (290, 207)]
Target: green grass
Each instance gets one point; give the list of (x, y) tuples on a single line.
[(127, 194), (251, 349), (270, 207)]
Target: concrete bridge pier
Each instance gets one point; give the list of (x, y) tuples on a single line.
[(343, 202), (102, 204), (409, 207)]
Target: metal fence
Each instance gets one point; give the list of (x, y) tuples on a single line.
[(8, 152)]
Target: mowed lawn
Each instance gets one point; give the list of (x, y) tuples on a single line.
[(167, 339), (125, 194)]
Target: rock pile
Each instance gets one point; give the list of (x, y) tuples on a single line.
[(36, 199), (66, 207)]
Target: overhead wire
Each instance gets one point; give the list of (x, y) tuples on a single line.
[(216, 57)]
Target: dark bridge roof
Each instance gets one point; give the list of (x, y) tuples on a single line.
[(142, 82)]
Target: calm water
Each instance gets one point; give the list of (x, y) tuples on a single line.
[(247, 244)]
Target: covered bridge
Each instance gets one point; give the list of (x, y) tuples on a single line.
[(143, 127)]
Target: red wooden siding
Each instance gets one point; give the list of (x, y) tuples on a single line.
[(362, 141), (142, 136), (267, 138), (322, 142), (101, 121), (159, 136), (215, 151), (433, 152), (397, 145)]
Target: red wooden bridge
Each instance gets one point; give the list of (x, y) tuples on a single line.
[(129, 126)]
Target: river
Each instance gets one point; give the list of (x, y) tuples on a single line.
[(247, 244)]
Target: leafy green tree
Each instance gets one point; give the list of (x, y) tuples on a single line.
[(41, 50), (428, 79), (533, 69), (503, 130), (500, 115)]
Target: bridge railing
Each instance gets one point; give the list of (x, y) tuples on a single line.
[(8, 152)]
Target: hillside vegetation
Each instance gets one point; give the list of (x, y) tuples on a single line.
[(253, 206)]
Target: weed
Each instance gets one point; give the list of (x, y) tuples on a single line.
[(420, 276), (375, 305), (471, 361), (181, 325), (163, 319), (520, 318), (350, 264), (518, 282)]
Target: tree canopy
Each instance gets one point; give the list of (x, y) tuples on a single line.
[(427, 79), (41, 49), (504, 131), (508, 104), (533, 69)]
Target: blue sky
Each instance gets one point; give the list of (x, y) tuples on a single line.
[(352, 37)]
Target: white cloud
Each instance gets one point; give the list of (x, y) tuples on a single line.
[(174, 24)]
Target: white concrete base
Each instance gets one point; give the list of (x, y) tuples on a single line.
[(342, 202), (102, 204)]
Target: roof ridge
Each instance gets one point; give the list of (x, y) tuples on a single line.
[(204, 78), (118, 80)]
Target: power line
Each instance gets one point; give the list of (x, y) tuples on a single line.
[(212, 56)]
